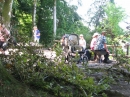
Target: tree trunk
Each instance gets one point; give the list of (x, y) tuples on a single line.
[(6, 12), (34, 12), (34, 16), (54, 18)]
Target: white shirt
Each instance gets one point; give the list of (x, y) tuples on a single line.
[(82, 43), (93, 43)]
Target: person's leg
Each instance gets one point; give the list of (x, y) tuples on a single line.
[(88, 54), (35, 40), (66, 58), (95, 56), (106, 57), (1, 47), (99, 53), (63, 47), (80, 59), (1, 44)]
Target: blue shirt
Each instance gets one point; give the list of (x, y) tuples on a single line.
[(37, 33), (101, 40)]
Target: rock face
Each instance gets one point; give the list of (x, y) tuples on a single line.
[(122, 88)]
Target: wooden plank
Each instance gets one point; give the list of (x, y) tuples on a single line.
[(56, 40), (114, 46)]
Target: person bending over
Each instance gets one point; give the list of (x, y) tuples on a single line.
[(4, 35), (101, 45)]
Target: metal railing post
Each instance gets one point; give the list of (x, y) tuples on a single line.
[(127, 52)]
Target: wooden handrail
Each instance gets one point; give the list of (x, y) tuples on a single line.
[(113, 46), (127, 47), (56, 40)]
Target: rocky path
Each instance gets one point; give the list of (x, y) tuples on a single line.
[(120, 89), (92, 64)]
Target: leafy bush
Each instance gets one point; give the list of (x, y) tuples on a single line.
[(54, 78)]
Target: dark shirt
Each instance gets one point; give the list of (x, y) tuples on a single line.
[(101, 40)]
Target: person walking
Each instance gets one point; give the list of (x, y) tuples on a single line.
[(82, 42), (94, 40), (93, 43), (36, 34), (101, 45)]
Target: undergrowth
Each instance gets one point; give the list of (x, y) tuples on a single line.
[(31, 75)]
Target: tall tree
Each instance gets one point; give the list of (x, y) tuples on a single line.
[(54, 18), (34, 12), (114, 15), (34, 15), (96, 13), (6, 12), (67, 17)]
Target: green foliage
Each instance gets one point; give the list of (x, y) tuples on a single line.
[(67, 19), (114, 16), (5, 75), (97, 15), (9, 86), (46, 77), (54, 78)]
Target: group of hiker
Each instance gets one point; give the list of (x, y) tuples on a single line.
[(98, 43)]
